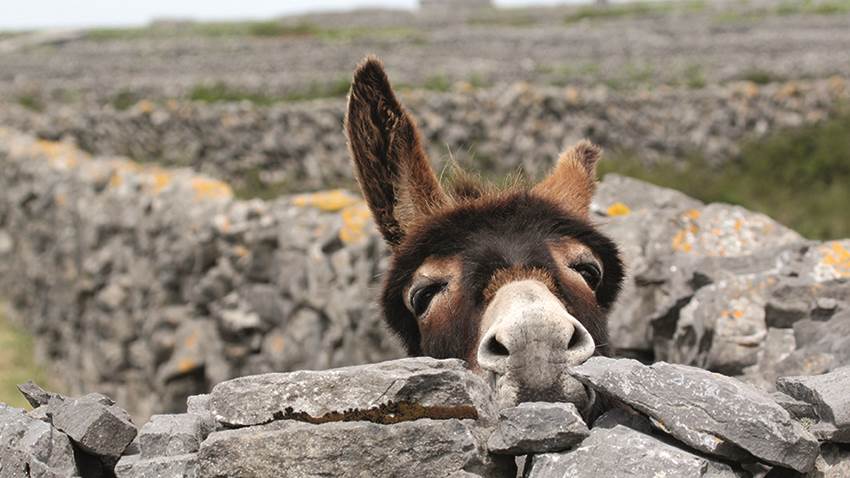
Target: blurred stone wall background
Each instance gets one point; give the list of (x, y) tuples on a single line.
[(129, 249)]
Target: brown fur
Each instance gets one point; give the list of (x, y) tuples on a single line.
[(390, 162), (573, 181), (471, 237)]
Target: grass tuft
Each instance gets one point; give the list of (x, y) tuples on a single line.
[(797, 176), (16, 362)]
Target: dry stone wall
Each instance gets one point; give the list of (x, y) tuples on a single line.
[(503, 129), (152, 284), (434, 418)]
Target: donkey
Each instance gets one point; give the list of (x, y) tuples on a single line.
[(515, 280)]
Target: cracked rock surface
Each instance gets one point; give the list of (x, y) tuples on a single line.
[(713, 413)]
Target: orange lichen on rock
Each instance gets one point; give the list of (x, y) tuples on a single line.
[(618, 209), (355, 219), (205, 188), (328, 201), (836, 256)]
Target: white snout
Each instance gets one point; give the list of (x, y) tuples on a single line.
[(529, 339)]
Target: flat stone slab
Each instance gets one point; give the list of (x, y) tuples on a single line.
[(288, 448), (171, 435), (829, 394), (31, 447), (622, 453), (95, 424), (537, 427), (132, 466), (713, 413), (386, 392)]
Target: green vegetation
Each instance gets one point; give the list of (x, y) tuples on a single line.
[(633, 9), (16, 362), (693, 76), (799, 177), (220, 92), (760, 77), (502, 17), (31, 102), (439, 82), (264, 29), (812, 7), (124, 99)]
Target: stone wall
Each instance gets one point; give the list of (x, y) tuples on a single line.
[(152, 284), (495, 130)]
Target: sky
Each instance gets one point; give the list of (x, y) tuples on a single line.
[(30, 14)]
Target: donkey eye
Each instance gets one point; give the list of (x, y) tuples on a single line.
[(421, 298), (590, 273)]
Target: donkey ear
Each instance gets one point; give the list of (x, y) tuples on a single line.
[(573, 181), (389, 161)]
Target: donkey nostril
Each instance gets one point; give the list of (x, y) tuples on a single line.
[(574, 340), (496, 348)]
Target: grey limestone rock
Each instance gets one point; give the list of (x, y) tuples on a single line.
[(170, 435), (537, 427), (622, 452), (434, 388), (833, 462), (95, 425), (31, 447), (713, 413), (288, 448), (829, 394), (177, 466)]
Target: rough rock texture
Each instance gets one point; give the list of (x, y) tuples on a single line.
[(623, 452), (710, 412), (427, 448), (98, 428), (171, 435), (422, 387), (171, 286), (31, 447), (184, 466), (537, 427), (828, 395)]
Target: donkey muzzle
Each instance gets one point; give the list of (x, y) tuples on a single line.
[(528, 342)]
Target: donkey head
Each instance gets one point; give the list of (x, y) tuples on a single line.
[(515, 281)]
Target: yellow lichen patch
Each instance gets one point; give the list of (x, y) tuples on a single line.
[(161, 180), (116, 180), (186, 365), (191, 341), (60, 199), (241, 250), (693, 214), (737, 314), (145, 106), (571, 94), (682, 242), (328, 201), (836, 256), (618, 209), (739, 224), (206, 188), (354, 221), (788, 90)]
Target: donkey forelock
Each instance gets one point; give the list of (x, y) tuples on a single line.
[(517, 280)]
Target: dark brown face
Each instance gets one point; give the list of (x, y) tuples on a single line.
[(516, 282), (502, 282)]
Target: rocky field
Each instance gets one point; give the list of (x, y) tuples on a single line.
[(163, 241)]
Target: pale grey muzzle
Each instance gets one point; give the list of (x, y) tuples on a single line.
[(529, 340)]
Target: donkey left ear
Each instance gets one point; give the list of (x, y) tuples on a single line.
[(389, 158), (573, 181)]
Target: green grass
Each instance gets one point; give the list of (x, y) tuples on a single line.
[(760, 77), (502, 17), (800, 177), (813, 7), (124, 99), (221, 92), (632, 9), (31, 102), (16, 362), (260, 29)]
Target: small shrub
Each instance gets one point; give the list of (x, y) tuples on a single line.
[(31, 102)]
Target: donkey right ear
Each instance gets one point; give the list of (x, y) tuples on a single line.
[(389, 161)]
